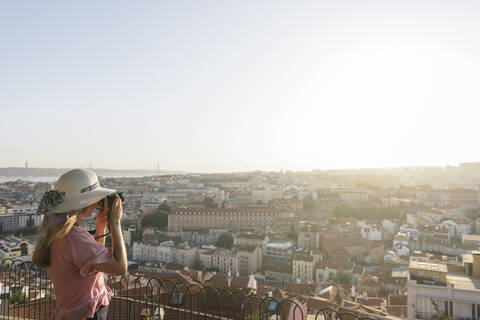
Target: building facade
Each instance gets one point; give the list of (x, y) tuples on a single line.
[(225, 218), (166, 252), (249, 259), (264, 196), (225, 261), (13, 247), (456, 293), (304, 267)]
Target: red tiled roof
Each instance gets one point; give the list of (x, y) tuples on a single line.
[(306, 289)]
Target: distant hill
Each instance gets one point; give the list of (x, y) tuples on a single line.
[(55, 172)]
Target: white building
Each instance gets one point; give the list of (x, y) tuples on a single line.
[(249, 259), (304, 267), (432, 215), (458, 227), (410, 230), (400, 238), (250, 239), (452, 212), (456, 293), (390, 226), (371, 233), (471, 241), (264, 196), (206, 257), (164, 252), (412, 219), (352, 196), (225, 261), (395, 202)]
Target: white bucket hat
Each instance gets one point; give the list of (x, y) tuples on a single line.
[(80, 188)]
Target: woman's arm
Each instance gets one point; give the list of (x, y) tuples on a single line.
[(101, 223), (118, 263), (100, 232)]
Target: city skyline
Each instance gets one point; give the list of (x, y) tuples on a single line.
[(246, 169), (224, 87)]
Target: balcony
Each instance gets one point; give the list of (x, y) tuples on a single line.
[(27, 293)]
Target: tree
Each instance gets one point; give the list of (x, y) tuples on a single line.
[(225, 240), (442, 315), (30, 223), (197, 264), (164, 206), (157, 219), (19, 297), (308, 203), (292, 234), (344, 277), (209, 202)]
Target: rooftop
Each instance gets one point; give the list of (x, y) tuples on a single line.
[(438, 267), (474, 237), (462, 281), (280, 245)]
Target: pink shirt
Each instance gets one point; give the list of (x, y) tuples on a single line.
[(79, 291)]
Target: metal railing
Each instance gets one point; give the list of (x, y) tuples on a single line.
[(27, 293)]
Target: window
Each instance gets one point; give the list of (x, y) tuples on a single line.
[(176, 298), (272, 306)]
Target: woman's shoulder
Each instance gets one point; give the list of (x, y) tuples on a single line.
[(79, 232), (81, 242)]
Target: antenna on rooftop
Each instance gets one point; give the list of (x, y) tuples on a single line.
[(158, 168)]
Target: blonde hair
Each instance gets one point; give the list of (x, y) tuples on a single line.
[(47, 233)]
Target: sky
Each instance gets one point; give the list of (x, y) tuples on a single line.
[(220, 86)]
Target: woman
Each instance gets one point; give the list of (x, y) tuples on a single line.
[(74, 259)]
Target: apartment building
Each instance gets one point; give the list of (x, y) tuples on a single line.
[(289, 204), (225, 218), (431, 215), (465, 198), (226, 261), (206, 256), (14, 221), (304, 266), (164, 252), (264, 196), (278, 275), (458, 227), (410, 230), (452, 211), (353, 195), (249, 259), (278, 252), (454, 289), (250, 239), (371, 233), (471, 241), (309, 237)]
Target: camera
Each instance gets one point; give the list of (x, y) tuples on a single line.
[(110, 198)]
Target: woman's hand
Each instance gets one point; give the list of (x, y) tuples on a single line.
[(117, 211)]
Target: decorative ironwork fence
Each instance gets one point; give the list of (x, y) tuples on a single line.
[(27, 293)]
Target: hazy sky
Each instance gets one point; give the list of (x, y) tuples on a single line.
[(239, 85)]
